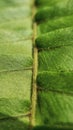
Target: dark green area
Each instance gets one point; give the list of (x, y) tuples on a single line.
[(53, 12), (51, 128), (55, 65), (40, 3), (57, 38), (58, 59), (62, 81), (52, 25), (14, 123), (54, 109)]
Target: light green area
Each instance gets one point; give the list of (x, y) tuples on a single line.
[(14, 36), (15, 56), (57, 38), (20, 48), (17, 24), (8, 3), (15, 30), (54, 109), (15, 92), (10, 13), (15, 124)]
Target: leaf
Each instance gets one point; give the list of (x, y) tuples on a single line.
[(56, 111), (17, 13), (15, 56), (59, 59), (53, 12), (56, 81), (57, 38), (55, 69), (15, 91), (52, 25), (55, 65), (43, 3), (17, 24), (14, 124), (15, 64), (51, 128), (14, 3)]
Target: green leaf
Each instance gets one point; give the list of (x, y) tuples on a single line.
[(17, 24), (59, 59), (15, 56), (15, 64), (14, 3), (52, 12), (56, 81), (14, 124), (17, 13), (51, 128), (15, 92), (53, 2), (52, 25), (54, 109), (57, 38)]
